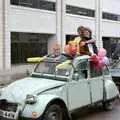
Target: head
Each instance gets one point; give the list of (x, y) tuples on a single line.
[(56, 49), (71, 48), (80, 30), (87, 33)]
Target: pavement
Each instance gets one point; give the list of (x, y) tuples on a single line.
[(16, 69), (16, 72)]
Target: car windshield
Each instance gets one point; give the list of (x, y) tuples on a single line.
[(54, 68)]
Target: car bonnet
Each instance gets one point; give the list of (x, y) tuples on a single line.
[(18, 90)]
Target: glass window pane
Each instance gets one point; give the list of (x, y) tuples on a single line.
[(110, 16), (79, 11), (82, 69), (39, 4), (94, 72)]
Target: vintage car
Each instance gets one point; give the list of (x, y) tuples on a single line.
[(55, 89)]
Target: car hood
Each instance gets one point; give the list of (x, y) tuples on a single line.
[(18, 90)]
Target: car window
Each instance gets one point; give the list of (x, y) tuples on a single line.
[(106, 70), (82, 69), (54, 68), (94, 72)]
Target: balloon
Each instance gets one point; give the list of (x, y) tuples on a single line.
[(98, 62), (94, 58), (101, 59), (102, 53), (100, 65), (106, 60)]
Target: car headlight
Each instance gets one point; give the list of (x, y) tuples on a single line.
[(30, 99)]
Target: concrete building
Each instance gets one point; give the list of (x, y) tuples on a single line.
[(29, 28)]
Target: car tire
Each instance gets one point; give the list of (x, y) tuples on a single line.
[(53, 112), (109, 105)]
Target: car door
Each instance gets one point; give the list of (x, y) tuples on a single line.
[(96, 83), (78, 87)]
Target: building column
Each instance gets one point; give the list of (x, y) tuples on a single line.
[(1, 36), (98, 23), (7, 39), (60, 18), (63, 24), (51, 42)]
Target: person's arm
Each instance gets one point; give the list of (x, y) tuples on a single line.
[(90, 41)]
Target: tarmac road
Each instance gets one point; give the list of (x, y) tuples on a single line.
[(97, 113)]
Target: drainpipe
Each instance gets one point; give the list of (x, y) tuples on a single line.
[(60, 18), (63, 35), (98, 23), (58, 21), (6, 36), (1, 35)]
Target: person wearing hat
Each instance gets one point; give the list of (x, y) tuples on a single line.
[(88, 43)]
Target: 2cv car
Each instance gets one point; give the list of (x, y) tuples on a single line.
[(55, 89)]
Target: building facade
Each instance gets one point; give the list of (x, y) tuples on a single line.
[(29, 28)]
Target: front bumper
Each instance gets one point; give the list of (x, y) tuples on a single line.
[(23, 118)]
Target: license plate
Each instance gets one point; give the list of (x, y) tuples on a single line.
[(6, 114)]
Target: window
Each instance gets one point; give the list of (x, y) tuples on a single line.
[(94, 72), (82, 69), (110, 16), (79, 11), (105, 70), (25, 45), (112, 45), (39, 4), (26, 3)]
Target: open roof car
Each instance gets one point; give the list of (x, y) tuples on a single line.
[(56, 88)]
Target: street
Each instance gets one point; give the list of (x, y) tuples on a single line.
[(97, 113), (90, 113)]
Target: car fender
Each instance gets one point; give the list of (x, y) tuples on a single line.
[(39, 107), (111, 89)]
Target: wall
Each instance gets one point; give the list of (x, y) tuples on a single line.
[(32, 20), (111, 6), (73, 21), (110, 28)]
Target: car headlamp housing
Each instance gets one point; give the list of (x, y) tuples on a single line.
[(30, 99)]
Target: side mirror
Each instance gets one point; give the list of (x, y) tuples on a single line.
[(75, 76)]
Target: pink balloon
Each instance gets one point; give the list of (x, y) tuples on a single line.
[(106, 60), (100, 65), (94, 58), (102, 53)]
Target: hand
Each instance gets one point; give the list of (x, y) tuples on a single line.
[(82, 44)]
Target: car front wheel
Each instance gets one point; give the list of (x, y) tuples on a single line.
[(53, 112)]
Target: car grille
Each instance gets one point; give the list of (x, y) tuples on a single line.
[(1, 118), (4, 105)]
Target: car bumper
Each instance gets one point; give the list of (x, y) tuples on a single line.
[(24, 118)]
